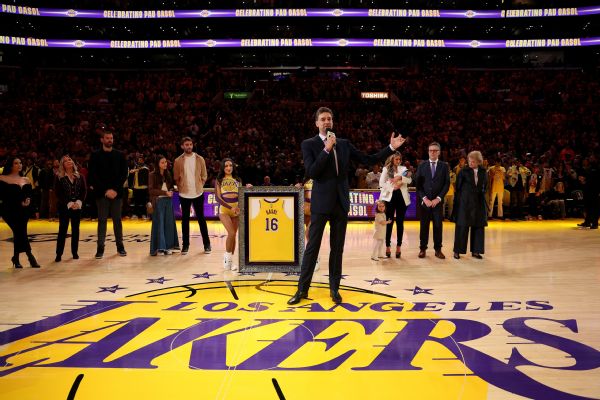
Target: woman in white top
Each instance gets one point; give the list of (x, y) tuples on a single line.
[(394, 181)]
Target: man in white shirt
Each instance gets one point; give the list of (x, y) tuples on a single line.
[(190, 176), (373, 177)]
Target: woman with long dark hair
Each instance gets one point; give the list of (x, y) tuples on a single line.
[(70, 192), (16, 193), (394, 181), (227, 185), (164, 231)]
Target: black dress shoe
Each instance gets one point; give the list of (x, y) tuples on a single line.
[(75, 256), (477, 255), (457, 256), (422, 254), (295, 299), (57, 259), (335, 296)]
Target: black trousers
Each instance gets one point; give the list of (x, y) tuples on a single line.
[(395, 206), (592, 208), (338, 220), (516, 203), (429, 215), (198, 204), (140, 198), (110, 207), (18, 225), (64, 216), (461, 235)]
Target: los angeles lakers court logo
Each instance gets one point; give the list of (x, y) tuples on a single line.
[(240, 340)]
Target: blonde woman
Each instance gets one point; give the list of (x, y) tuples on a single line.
[(70, 192), (470, 207)]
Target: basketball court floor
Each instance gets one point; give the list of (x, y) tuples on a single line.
[(524, 322)]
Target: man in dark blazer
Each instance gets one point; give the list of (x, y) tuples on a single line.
[(327, 161), (433, 181)]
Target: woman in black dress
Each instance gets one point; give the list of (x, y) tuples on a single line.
[(70, 191), (16, 192)]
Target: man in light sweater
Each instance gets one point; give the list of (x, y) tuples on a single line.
[(190, 176)]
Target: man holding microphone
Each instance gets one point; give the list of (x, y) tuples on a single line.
[(327, 161)]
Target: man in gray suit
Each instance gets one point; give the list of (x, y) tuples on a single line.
[(433, 181)]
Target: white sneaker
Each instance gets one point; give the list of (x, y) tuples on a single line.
[(168, 252), (317, 263), (227, 261), (374, 258)]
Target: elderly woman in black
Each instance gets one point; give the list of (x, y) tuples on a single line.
[(470, 207), (16, 192), (70, 192)]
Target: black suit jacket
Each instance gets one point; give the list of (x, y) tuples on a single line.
[(329, 187), (432, 187), (470, 204)]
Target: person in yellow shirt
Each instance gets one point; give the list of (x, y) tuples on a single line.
[(496, 177)]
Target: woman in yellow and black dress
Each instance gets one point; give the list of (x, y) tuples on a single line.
[(227, 185), (16, 192)]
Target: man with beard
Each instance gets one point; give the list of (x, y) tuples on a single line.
[(108, 172)]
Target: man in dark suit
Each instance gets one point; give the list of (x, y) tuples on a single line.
[(327, 161), (433, 181)]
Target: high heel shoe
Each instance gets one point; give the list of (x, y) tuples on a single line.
[(388, 252), (16, 262), (32, 261), (398, 252)]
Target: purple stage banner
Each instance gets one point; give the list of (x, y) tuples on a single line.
[(362, 205), (300, 42), (301, 12)]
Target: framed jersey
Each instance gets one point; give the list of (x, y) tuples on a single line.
[(271, 229)]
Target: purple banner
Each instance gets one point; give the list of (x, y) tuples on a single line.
[(362, 205), (299, 42), (300, 12)]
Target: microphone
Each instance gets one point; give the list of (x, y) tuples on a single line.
[(330, 134)]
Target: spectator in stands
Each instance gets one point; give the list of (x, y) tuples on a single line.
[(553, 202), (496, 179), (140, 187), (373, 177), (517, 176)]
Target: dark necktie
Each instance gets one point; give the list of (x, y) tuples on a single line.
[(337, 171), (432, 169)]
